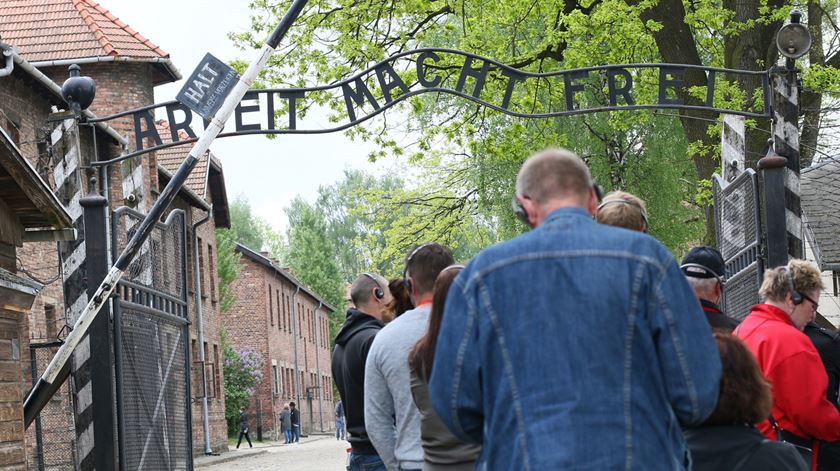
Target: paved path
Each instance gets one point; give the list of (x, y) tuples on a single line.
[(315, 453)]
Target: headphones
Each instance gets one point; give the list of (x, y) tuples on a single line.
[(795, 295), (406, 279), (522, 214), (452, 267), (628, 203), (379, 293)]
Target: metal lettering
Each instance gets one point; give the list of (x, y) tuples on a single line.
[(293, 97), (513, 78), (480, 76), (665, 83), (241, 109), (175, 126), (421, 70), (358, 95), (396, 81), (624, 91), (151, 131), (571, 87)]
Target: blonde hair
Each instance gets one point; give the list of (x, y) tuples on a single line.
[(623, 209), (776, 285)]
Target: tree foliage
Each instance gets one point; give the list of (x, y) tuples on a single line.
[(243, 372), (639, 151)]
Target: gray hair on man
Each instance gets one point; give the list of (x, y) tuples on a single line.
[(554, 173)]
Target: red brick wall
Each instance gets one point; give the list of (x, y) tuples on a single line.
[(12, 388), (271, 330)]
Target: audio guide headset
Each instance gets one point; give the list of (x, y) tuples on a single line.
[(795, 296), (406, 279), (627, 203), (379, 292), (522, 214)]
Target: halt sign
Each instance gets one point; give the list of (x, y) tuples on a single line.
[(208, 86)]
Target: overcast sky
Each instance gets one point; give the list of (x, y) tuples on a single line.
[(268, 172)]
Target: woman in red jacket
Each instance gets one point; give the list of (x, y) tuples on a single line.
[(773, 331)]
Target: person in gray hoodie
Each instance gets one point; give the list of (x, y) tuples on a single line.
[(391, 417)]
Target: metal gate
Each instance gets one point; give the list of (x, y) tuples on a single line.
[(151, 347), (54, 431), (738, 230)]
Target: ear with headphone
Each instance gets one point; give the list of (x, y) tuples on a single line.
[(379, 293), (522, 214), (406, 278), (795, 295), (627, 203)]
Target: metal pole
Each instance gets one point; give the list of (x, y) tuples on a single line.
[(318, 367), (295, 330), (199, 319), (99, 335), (43, 390), (786, 143), (773, 168)]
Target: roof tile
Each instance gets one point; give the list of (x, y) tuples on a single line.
[(171, 158), (820, 199), (45, 30)]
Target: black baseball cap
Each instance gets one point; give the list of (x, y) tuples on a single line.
[(704, 262)]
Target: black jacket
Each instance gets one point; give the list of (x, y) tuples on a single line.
[(717, 319), (295, 416), (243, 421), (348, 368), (740, 448), (827, 342)]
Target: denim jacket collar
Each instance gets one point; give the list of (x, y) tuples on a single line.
[(568, 212)]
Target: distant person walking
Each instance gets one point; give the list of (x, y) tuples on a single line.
[(339, 421), (295, 416), (243, 428), (286, 424)]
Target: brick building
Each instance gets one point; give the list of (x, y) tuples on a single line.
[(288, 324), (48, 36)]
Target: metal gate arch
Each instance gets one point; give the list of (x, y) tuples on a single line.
[(151, 347)]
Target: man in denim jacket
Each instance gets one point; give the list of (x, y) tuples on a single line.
[(576, 345)]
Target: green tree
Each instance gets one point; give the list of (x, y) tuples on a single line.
[(335, 38), (243, 372), (312, 256)]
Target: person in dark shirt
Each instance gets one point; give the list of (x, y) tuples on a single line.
[(243, 428), (704, 270), (295, 415)]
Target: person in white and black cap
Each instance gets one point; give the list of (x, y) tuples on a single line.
[(704, 269)]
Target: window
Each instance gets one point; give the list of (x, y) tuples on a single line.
[(217, 370), (283, 307), (277, 300), (276, 380), (270, 306), (201, 271), (210, 259), (49, 315)]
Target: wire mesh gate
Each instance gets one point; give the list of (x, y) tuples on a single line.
[(151, 348), (738, 229), (54, 431)]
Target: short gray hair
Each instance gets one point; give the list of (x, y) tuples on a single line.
[(553, 173), (704, 285)]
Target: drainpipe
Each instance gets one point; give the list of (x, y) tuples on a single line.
[(295, 328), (9, 59), (318, 369), (199, 319)]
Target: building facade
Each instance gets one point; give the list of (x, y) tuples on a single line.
[(48, 36), (288, 325)]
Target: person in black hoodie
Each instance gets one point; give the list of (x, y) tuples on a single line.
[(729, 440), (371, 297)]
